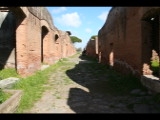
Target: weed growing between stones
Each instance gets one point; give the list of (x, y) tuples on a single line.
[(33, 87)]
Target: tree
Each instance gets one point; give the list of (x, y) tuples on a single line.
[(93, 37), (79, 49), (69, 33), (75, 39)]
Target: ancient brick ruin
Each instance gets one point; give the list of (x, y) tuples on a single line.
[(28, 39), (127, 39), (92, 47)]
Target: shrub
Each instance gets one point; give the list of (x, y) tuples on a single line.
[(155, 67)]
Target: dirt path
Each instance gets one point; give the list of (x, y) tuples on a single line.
[(74, 89)]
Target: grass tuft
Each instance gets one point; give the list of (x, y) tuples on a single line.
[(5, 73), (33, 87), (3, 96)]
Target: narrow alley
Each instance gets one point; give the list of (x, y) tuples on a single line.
[(80, 87)]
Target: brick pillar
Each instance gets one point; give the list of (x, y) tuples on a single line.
[(21, 47)]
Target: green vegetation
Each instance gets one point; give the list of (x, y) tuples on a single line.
[(63, 59), (93, 37), (79, 49), (3, 96), (75, 39), (5, 73), (155, 67), (33, 86), (155, 63)]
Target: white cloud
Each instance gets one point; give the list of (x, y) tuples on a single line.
[(103, 15), (59, 10), (70, 19), (88, 30)]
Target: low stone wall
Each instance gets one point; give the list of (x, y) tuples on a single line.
[(10, 105), (151, 82)]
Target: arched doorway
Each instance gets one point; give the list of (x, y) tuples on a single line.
[(10, 23), (43, 42)]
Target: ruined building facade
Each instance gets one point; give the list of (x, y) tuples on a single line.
[(92, 48), (128, 37), (28, 39)]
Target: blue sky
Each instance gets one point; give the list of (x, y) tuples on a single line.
[(83, 22)]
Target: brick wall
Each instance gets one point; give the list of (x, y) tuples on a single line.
[(35, 40), (123, 41)]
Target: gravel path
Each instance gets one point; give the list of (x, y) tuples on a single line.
[(74, 89)]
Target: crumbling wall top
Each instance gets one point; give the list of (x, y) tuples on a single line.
[(42, 13)]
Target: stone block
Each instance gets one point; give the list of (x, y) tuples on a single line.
[(8, 82)]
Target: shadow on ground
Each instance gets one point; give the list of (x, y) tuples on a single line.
[(105, 91), (96, 99)]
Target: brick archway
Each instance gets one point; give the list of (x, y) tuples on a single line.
[(56, 37), (44, 41), (11, 32), (58, 43)]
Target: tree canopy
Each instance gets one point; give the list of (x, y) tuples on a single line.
[(75, 39), (69, 33), (93, 36)]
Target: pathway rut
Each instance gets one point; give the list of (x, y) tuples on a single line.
[(74, 89)]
